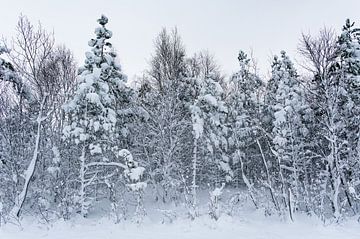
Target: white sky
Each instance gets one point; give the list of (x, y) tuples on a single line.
[(222, 27)]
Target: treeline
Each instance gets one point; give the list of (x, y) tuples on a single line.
[(72, 136)]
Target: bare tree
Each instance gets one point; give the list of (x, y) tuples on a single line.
[(318, 52), (30, 51), (203, 64), (29, 172), (42, 77), (167, 64)]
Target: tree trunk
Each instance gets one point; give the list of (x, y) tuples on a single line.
[(20, 198)]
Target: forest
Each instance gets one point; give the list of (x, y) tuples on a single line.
[(77, 138)]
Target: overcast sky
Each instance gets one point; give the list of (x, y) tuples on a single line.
[(223, 27)]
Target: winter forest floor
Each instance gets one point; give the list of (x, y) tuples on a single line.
[(202, 228), (247, 223)]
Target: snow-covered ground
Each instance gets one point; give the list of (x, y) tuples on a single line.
[(246, 223), (251, 227)]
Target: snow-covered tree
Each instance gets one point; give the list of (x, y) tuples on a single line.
[(333, 123), (31, 68), (208, 113), (243, 118), (286, 102), (93, 112), (344, 125), (164, 131), (134, 174)]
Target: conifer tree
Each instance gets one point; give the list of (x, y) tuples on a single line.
[(345, 140), (208, 117), (93, 112), (243, 121), (286, 104)]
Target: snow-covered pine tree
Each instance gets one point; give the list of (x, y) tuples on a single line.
[(208, 114), (243, 120), (285, 103), (345, 75), (93, 112)]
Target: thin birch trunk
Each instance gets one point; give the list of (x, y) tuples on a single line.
[(20, 198)]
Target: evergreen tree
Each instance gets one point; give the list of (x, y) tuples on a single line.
[(208, 117), (94, 112), (286, 105), (345, 74), (243, 120)]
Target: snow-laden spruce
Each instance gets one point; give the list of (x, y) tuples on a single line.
[(243, 118), (95, 114), (208, 115), (285, 100)]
